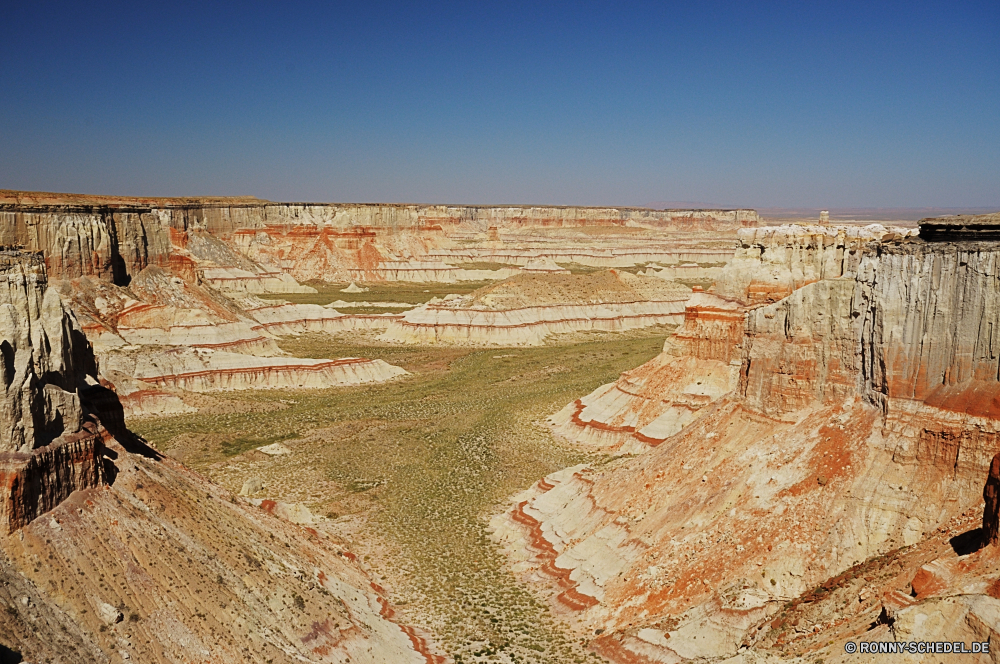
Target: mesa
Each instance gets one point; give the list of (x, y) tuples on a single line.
[(242, 430)]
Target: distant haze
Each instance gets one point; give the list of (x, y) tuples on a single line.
[(852, 213), (769, 105)]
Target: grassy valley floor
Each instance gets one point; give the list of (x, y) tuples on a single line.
[(410, 471)]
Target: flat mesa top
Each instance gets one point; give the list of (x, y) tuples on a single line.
[(961, 227)]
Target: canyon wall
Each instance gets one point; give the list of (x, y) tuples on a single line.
[(114, 553), (45, 358), (699, 364), (860, 420), (52, 440), (115, 238)]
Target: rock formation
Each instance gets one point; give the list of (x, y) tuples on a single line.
[(106, 527), (526, 309), (162, 566), (206, 370), (256, 246), (860, 419), (182, 273), (50, 440), (698, 365)]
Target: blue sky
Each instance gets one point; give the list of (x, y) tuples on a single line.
[(593, 103)]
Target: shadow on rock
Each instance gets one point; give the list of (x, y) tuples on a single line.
[(968, 542), (8, 656), (105, 404)]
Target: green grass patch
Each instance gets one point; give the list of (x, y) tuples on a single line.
[(241, 444), (397, 291), (436, 453), (577, 268)]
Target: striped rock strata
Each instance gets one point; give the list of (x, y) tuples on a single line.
[(114, 238), (421, 271), (44, 358), (283, 318), (610, 251), (107, 529), (51, 441), (770, 263), (201, 370), (699, 364), (863, 420), (139, 342), (526, 309)]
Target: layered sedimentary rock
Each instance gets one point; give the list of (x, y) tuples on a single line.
[(698, 365), (52, 443), (285, 318), (277, 243), (861, 421), (45, 358), (200, 370), (145, 336), (975, 227), (602, 251), (771, 262), (163, 566), (121, 554), (162, 309), (685, 272), (526, 309)]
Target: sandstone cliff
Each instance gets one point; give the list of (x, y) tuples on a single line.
[(46, 358), (698, 365), (276, 243), (861, 421), (115, 553)]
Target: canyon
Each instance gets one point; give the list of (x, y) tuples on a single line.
[(521, 433)]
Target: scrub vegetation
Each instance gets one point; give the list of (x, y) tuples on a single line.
[(423, 462)]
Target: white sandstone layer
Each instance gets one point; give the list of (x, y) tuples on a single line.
[(232, 279), (298, 318), (526, 309), (206, 371), (529, 326)]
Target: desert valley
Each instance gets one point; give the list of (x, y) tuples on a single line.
[(236, 430)]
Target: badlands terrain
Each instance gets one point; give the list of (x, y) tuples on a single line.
[(244, 431)]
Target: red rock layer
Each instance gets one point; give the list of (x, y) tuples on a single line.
[(34, 483), (651, 402), (801, 350)]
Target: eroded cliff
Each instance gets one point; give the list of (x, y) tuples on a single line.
[(860, 423), (112, 552)]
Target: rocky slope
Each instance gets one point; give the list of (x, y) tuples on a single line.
[(861, 425), (526, 309), (698, 365), (115, 553), (700, 362)]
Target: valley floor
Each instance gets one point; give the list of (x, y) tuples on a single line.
[(409, 471)]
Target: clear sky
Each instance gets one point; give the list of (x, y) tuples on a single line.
[(592, 103)]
